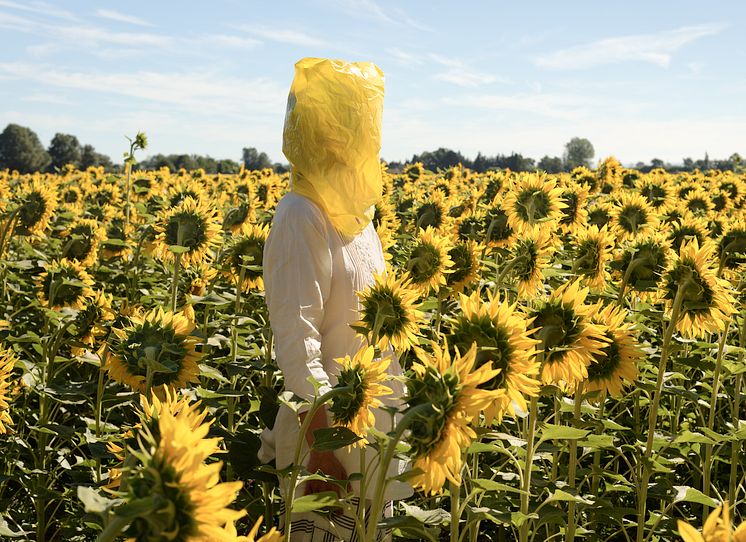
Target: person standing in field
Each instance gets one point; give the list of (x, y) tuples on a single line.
[(321, 250)]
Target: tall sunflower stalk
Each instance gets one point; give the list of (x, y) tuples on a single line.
[(140, 142)]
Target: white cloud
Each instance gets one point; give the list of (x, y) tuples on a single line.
[(459, 73), (121, 17), (407, 59), (196, 92), (40, 8), (280, 35), (655, 48), (370, 9), (558, 106), (233, 42)]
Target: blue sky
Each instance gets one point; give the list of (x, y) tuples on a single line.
[(640, 80)]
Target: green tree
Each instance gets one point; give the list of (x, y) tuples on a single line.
[(578, 152), (64, 149), (89, 157), (253, 159), (21, 149), (550, 164)]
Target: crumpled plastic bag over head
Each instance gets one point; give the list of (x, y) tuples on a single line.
[(332, 138)]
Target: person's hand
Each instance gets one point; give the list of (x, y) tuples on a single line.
[(326, 463)]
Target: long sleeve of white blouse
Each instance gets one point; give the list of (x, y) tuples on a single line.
[(297, 275)]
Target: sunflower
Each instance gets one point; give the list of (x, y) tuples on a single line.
[(657, 191), (706, 301), (632, 216), (433, 213), (568, 339), (157, 343), (642, 262), (732, 245), (493, 187), (7, 362), (599, 214), (470, 226), (575, 214), (466, 264), (388, 314), (192, 225), (697, 202), (36, 205), (179, 191), (241, 217), (690, 227), (497, 229), (92, 321), (273, 535), (584, 176), (440, 435), (591, 253), (716, 528), (499, 332), (190, 502), (117, 234), (618, 359), (531, 253), (105, 194), (534, 199), (364, 376), (733, 186), (414, 171), (428, 262), (64, 283), (244, 257), (83, 239)]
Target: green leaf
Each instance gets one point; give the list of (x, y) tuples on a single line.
[(564, 496), (333, 438), (213, 373), (437, 516), (492, 486), (177, 249), (93, 501), (561, 432), (689, 494), (316, 501)]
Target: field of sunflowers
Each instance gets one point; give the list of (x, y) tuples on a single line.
[(573, 345)]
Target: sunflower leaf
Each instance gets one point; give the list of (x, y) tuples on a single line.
[(315, 501), (332, 438)]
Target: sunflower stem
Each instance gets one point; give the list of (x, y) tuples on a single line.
[(99, 402), (113, 529), (175, 281), (572, 469), (708, 465), (504, 273), (596, 477), (625, 280), (526, 489), (653, 414), (735, 416), (455, 494), (383, 464)]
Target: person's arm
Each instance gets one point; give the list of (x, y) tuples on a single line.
[(297, 276)]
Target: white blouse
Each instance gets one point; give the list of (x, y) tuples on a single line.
[(311, 278)]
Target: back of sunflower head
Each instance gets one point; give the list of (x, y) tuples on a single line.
[(332, 138)]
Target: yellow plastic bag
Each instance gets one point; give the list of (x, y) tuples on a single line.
[(332, 138)]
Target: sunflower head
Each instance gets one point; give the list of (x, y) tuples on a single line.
[(732, 245), (531, 253), (7, 362), (192, 226), (498, 232), (534, 199), (428, 261), (388, 312), (362, 377), (83, 238), (706, 301), (591, 253), (574, 215), (64, 283), (244, 258), (156, 345), (599, 214), (36, 205), (466, 263), (643, 261), (240, 217), (690, 227), (92, 321), (632, 216)]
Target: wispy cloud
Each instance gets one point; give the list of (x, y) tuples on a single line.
[(554, 105), (405, 58), (370, 9), (655, 48), (459, 73), (121, 17), (196, 92), (39, 8), (279, 35)]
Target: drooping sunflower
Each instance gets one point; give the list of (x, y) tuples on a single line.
[(534, 199), (575, 214), (610, 175), (180, 190), (697, 202), (64, 283), (732, 246), (7, 362), (432, 213), (191, 503), (706, 301), (500, 334), (717, 528), (568, 339), (641, 262), (414, 171), (159, 340), (617, 362), (657, 190), (584, 176), (734, 186), (36, 205), (592, 250), (388, 312), (470, 226), (364, 375), (440, 435), (83, 239), (632, 216), (244, 257), (599, 214), (241, 217), (497, 230), (466, 264), (531, 253), (428, 261), (193, 225), (92, 322)]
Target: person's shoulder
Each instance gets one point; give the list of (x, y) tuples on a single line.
[(297, 209)]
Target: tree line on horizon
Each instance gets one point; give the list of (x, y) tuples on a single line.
[(22, 150)]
